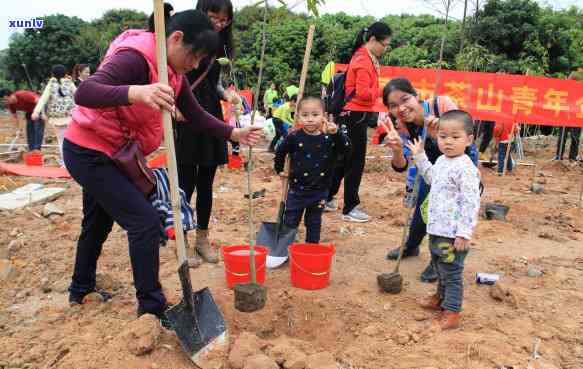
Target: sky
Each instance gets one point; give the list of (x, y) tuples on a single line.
[(88, 10)]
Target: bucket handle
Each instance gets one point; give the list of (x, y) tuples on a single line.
[(244, 274), (307, 271)]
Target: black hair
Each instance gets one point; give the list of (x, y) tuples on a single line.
[(397, 84), (220, 6), (58, 71), (77, 69), (168, 8), (381, 31), (5, 93), (305, 99), (197, 29), (459, 116)]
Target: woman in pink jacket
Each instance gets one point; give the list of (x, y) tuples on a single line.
[(123, 100)]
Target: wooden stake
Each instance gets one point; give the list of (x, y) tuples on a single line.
[(252, 268), (305, 66), (161, 59)]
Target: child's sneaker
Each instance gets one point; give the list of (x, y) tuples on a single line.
[(331, 206), (450, 320)]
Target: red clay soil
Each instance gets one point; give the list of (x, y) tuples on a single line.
[(350, 321)]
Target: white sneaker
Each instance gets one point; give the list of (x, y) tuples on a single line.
[(331, 206), (356, 215), (275, 261)]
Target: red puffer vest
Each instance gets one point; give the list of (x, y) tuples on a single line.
[(101, 129)]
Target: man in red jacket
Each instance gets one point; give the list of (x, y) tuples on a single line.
[(503, 135), (25, 101)]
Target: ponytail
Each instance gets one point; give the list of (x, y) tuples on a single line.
[(381, 31), (58, 72)]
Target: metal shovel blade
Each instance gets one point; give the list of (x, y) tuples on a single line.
[(199, 324), (277, 237)]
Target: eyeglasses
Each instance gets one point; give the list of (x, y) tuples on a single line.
[(385, 44), (220, 22)]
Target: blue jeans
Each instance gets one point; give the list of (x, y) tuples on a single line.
[(35, 131), (108, 196), (502, 147), (449, 265)]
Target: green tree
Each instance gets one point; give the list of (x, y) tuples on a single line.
[(40, 49)]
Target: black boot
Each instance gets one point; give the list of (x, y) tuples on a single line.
[(429, 275), (394, 253)]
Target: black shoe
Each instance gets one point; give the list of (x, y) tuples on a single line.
[(77, 299), (394, 253), (429, 275)]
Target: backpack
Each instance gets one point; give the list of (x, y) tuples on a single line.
[(336, 94), (61, 106)]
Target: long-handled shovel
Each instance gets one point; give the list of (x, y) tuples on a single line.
[(393, 282), (277, 236), (197, 320)]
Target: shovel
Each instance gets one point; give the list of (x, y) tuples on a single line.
[(277, 236), (393, 282), (197, 320)]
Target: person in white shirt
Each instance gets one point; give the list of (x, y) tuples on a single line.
[(452, 210)]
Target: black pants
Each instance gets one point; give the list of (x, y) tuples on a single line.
[(575, 134), (486, 128), (280, 131), (201, 178), (311, 207), (108, 196), (352, 167)]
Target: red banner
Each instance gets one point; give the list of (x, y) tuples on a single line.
[(497, 97)]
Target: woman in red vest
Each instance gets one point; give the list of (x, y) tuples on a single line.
[(362, 92), (123, 100)]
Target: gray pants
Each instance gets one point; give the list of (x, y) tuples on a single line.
[(449, 265)]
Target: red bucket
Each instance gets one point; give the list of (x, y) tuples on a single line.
[(237, 264), (234, 162), (33, 159), (310, 265)]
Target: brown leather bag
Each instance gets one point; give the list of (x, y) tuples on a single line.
[(131, 161)]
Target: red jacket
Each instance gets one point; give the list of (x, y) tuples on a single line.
[(101, 129), (502, 131), (363, 77), (25, 101)]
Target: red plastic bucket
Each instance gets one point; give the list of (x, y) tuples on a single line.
[(33, 158), (234, 162), (310, 265), (237, 264)]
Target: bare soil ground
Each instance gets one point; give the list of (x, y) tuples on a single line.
[(359, 326)]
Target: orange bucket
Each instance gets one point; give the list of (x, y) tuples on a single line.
[(33, 159), (236, 260), (310, 265), (234, 162)]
